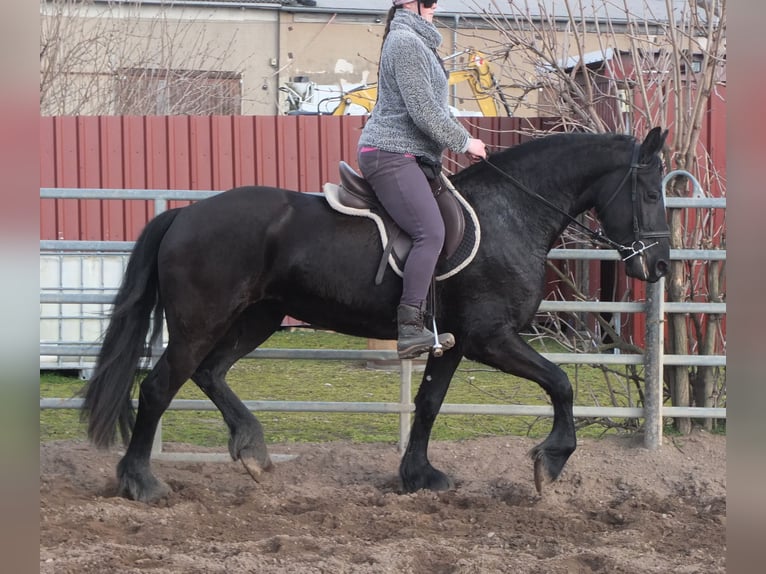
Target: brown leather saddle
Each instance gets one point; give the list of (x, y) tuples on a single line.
[(354, 196)]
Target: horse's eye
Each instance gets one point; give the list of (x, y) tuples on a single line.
[(652, 195)]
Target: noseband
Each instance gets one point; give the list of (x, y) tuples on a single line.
[(639, 244)]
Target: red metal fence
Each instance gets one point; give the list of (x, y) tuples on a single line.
[(221, 152), (197, 153)]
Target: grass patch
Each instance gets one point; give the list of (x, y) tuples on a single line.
[(307, 380)]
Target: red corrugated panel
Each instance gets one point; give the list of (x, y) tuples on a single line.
[(718, 147), (717, 150), (220, 152), (67, 168), (201, 152), (179, 156), (113, 211), (90, 177), (137, 213), (222, 137), (157, 161), (289, 166), (717, 135), (266, 170), (309, 152), (47, 177), (333, 137), (244, 154)]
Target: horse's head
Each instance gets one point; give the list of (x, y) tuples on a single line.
[(631, 208)]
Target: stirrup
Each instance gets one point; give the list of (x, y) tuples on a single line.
[(437, 350), (441, 342)]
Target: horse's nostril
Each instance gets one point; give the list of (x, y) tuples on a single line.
[(662, 268)]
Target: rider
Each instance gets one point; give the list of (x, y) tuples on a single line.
[(407, 132)]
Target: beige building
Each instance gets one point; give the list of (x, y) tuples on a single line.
[(272, 57)]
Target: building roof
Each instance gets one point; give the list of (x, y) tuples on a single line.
[(651, 10)]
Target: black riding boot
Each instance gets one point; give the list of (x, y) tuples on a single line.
[(413, 337)]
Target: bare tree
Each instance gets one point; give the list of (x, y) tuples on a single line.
[(118, 58), (637, 64)]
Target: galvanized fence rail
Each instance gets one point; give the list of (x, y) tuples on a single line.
[(653, 359)]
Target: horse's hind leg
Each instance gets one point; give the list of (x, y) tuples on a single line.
[(246, 441), (415, 470), (134, 475)]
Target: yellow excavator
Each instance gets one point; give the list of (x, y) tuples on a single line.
[(476, 72)]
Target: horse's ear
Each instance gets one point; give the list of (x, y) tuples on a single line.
[(652, 144)]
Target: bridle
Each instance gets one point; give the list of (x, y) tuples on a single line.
[(641, 241), (639, 235)]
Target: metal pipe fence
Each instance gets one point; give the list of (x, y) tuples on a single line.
[(653, 359)]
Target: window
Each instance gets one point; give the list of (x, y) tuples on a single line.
[(143, 91)]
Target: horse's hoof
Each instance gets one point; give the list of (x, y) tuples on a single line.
[(147, 492), (548, 463), (441, 483), (429, 479), (435, 483), (254, 468), (135, 481), (247, 446)]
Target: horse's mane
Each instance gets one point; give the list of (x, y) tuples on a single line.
[(537, 146), (537, 152)]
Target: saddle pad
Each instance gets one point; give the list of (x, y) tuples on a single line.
[(445, 268), (468, 247)]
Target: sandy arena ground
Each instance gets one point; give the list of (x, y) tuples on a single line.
[(336, 508)]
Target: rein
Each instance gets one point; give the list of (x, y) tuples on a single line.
[(599, 237)]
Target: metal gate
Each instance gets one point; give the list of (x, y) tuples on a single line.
[(79, 280)]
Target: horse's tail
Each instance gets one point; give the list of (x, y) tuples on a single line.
[(107, 394)]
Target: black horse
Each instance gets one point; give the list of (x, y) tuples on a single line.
[(225, 271)]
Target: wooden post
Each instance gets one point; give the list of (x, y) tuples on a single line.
[(382, 345), (418, 363)]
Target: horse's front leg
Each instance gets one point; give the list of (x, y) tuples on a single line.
[(511, 354), (415, 470)]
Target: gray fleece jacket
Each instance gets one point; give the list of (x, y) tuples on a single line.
[(412, 113)]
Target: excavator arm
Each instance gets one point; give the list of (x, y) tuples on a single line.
[(477, 74), (364, 96), (482, 83)]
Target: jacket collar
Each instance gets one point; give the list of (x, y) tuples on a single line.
[(408, 20)]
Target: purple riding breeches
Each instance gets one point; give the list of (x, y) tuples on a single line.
[(402, 188)]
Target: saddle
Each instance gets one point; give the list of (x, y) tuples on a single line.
[(354, 196)]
